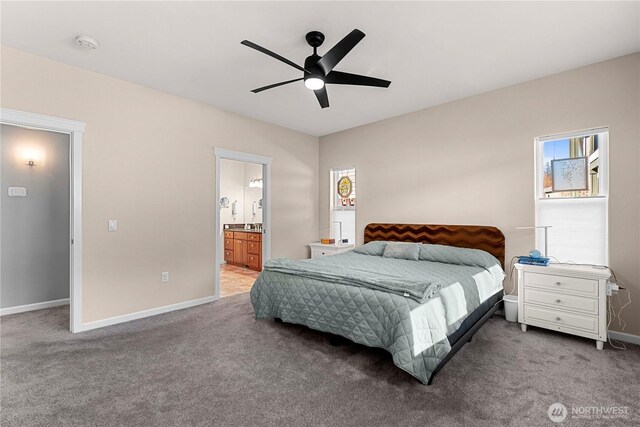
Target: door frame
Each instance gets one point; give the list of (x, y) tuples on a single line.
[(75, 130), (223, 153)]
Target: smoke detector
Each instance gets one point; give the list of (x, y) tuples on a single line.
[(86, 42)]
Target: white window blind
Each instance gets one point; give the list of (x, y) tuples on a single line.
[(578, 218), (578, 229)]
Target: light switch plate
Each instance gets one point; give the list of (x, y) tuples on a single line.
[(17, 191), (113, 225), (165, 277)]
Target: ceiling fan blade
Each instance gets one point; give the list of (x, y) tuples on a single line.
[(323, 99), (272, 54), (260, 89), (340, 50), (340, 78)]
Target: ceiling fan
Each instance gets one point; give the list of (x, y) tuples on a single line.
[(318, 70)]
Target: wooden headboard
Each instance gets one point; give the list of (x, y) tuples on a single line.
[(489, 239)]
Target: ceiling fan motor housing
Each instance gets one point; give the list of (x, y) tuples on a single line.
[(311, 64), (315, 39)]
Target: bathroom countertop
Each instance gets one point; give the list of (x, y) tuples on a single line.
[(242, 230)]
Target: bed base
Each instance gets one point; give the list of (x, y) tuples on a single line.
[(337, 340), (468, 336)]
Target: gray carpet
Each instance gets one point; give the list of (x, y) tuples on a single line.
[(216, 365)]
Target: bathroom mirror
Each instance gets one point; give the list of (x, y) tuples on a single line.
[(241, 186)]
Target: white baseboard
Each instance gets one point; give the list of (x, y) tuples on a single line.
[(144, 313), (621, 336), (36, 306)]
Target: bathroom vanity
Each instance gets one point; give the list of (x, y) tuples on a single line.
[(243, 248)]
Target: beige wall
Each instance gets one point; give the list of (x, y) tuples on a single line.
[(471, 161), (148, 162)]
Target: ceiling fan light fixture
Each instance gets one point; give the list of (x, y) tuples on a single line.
[(319, 70), (314, 83)]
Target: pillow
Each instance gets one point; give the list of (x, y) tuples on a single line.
[(409, 251), (371, 248), (459, 256)]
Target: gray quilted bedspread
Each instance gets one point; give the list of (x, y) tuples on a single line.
[(358, 270), (317, 293)]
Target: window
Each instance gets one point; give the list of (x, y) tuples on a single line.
[(572, 195), (344, 190), (343, 204), (572, 166)]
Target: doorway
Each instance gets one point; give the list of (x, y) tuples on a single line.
[(42, 163), (242, 220)]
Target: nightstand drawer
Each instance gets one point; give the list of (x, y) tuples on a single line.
[(315, 253), (561, 319), (319, 249), (573, 285), (561, 301)]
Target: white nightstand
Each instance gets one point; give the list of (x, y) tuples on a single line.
[(319, 249), (565, 298)]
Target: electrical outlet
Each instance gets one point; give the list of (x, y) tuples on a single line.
[(165, 276), (113, 225)]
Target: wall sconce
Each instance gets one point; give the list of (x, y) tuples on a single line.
[(255, 183), (32, 157)]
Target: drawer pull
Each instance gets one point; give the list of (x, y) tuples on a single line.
[(558, 319), (558, 283), (558, 301)]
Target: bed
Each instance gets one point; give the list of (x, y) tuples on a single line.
[(420, 291)]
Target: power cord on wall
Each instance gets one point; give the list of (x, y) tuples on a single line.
[(612, 314), (512, 269)]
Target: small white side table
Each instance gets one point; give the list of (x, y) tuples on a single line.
[(565, 298), (319, 249)]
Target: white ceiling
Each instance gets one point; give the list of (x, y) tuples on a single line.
[(433, 52)]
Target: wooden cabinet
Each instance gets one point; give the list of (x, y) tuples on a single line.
[(228, 246), (228, 255), (228, 243), (254, 248), (243, 248), (240, 251), (253, 261)]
